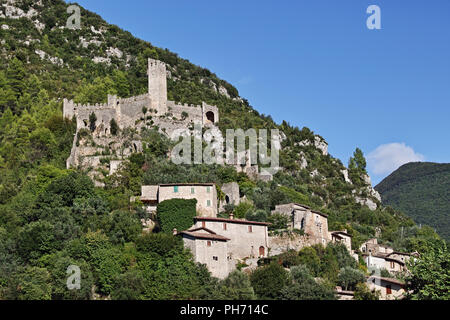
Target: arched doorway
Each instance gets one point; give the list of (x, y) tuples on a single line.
[(261, 251), (227, 199), (210, 116)]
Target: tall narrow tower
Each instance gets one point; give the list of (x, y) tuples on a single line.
[(157, 85)]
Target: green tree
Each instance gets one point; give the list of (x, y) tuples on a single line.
[(31, 283), (114, 127), (362, 292), (268, 281), (348, 278), (237, 286), (429, 275), (304, 287), (92, 121)]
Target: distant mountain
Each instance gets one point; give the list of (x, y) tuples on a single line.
[(422, 191)]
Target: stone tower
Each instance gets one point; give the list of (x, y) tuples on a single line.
[(157, 85)]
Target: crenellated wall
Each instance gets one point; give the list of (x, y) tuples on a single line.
[(128, 112)]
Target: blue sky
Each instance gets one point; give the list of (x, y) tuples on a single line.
[(316, 64)]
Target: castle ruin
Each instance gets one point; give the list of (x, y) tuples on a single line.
[(135, 112)]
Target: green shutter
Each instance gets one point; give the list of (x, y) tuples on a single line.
[(175, 188)]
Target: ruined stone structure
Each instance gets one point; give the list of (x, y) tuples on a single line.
[(231, 191), (301, 217), (221, 243), (129, 113), (341, 237), (204, 193)]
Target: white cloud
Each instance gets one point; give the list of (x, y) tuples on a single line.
[(389, 157)]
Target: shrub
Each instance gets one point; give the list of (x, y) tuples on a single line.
[(268, 281), (176, 214)]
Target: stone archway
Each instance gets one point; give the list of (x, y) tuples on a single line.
[(210, 116)]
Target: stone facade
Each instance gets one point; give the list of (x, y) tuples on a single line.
[(287, 241), (221, 243), (390, 289), (342, 237), (208, 248), (371, 246), (301, 217), (383, 257), (204, 193), (231, 191)]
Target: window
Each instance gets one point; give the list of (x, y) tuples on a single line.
[(208, 189), (208, 203), (215, 258), (175, 189), (192, 190), (208, 243), (250, 228), (203, 224), (224, 226), (392, 265), (388, 289)]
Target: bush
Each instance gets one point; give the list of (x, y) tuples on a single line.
[(268, 281), (278, 221), (176, 214), (304, 287), (348, 278)]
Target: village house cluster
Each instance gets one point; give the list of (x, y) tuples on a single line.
[(222, 243)]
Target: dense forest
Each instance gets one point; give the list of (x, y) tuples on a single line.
[(422, 191), (52, 217)]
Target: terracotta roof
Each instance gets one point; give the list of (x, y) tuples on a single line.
[(341, 232), (209, 234), (308, 207), (391, 280), (186, 184), (395, 260), (403, 253), (231, 220)]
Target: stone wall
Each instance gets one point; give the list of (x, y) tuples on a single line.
[(214, 255), (287, 241)]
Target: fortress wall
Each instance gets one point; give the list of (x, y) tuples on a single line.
[(194, 112), (131, 110), (207, 108), (104, 115)]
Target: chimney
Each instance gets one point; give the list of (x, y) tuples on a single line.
[(231, 216), (175, 231), (345, 230)]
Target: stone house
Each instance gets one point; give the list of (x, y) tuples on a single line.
[(208, 248), (371, 246), (389, 288), (342, 237), (301, 217), (204, 193), (230, 240)]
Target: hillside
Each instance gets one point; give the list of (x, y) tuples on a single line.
[(422, 191), (51, 216)]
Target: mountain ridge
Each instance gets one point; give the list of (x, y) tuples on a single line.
[(421, 190)]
